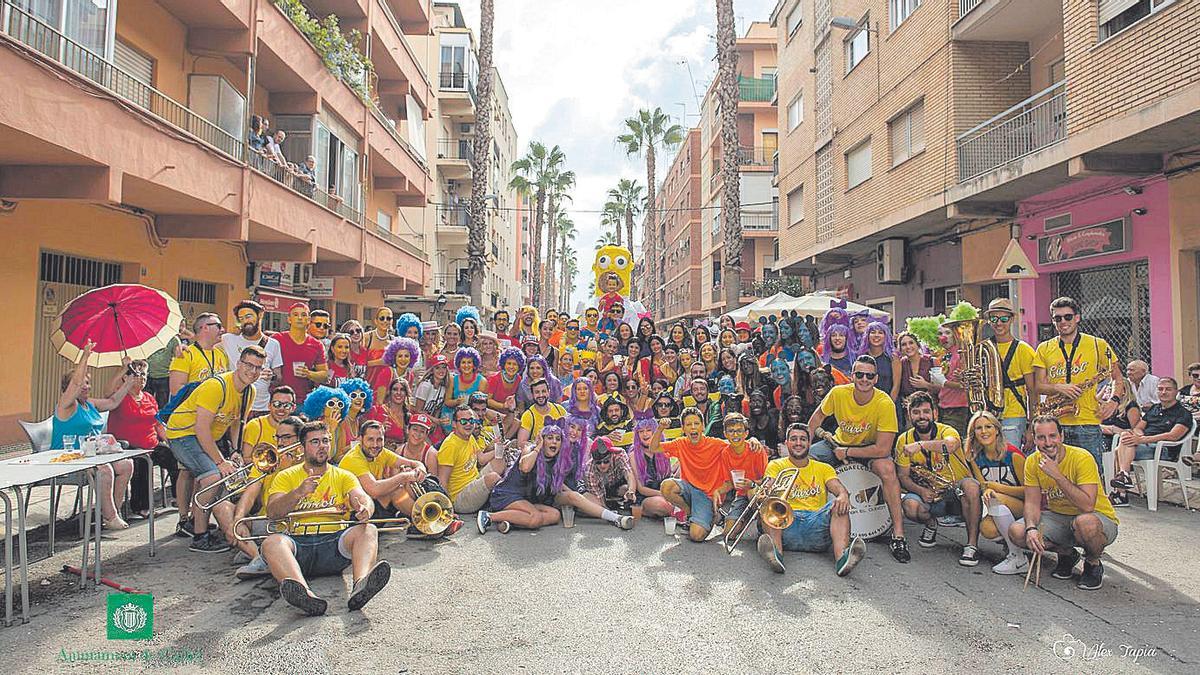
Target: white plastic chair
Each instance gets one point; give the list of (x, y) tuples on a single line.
[(40, 434), (1151, 467)]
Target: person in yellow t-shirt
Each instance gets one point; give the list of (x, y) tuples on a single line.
[(1089, 357), (459, 459), (316, 550), (542, 411), (1018, 379), (866, 419), (217, 405), (202, 359), (253, 500), (938, 448), (817, 521), (1076, 514)]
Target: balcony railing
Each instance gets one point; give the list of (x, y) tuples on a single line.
[(1031, 125), (452, 216), (764, 288), (40, 37), (395, 239), (965, 6), (294, 180), (759, 222), (458, 283), (395, 134), (755, 156), (757, 89), (456, 81), (455, 148)]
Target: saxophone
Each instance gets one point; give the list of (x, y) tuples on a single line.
[(931, 480), (981, 361), (1061, 406)]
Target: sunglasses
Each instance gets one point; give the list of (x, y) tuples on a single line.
[(860, 375), (999, 318), (282, 405), (250, 366), (212, 324), (356, 331), (606, 460), (474, 421), (1196, 376), (320, 324), (1059, 318)]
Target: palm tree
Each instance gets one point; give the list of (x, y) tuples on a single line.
[(605, 239), (477, 232), (628, 195), (533, 172), (559, 184), (727, 101), (613, 216), (566, 256), (648, 131)]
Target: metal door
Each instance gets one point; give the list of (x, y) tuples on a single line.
[(1116, 305)]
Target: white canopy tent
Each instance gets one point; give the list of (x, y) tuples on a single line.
[(813, 304), (770, 304)]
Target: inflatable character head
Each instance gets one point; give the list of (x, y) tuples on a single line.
[(612, 267)]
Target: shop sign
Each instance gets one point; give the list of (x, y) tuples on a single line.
[(1087, 242), (320, 287), (274, 274), (277, 303)]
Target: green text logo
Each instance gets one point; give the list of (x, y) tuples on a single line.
[(130, 616)]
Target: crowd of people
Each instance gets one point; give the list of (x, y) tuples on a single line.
[(261, 141), (531, 420)]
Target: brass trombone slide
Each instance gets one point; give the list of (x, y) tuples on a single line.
[(770, 503), (265, 457), (291, 525)]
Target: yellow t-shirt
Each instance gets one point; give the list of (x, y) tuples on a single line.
[(460, 455), (356, 462), (1080, 468), (858, 425), (1022, 365), (225, 402), (533, 421), (808, 493), (1091, 357), (200, 363), (260, 430), (950, 468), (333, 490)]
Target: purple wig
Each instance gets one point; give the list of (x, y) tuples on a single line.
[(407, 344), (887, 339), (836, 316), (579, 449), (662, 464), (826, 348), (573, 401), (553, 484), (556, 389), (512, 353), (466, 353)]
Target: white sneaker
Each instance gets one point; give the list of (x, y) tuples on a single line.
[(1014, 563)]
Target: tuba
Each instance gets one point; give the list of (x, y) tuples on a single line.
[(981, 374)]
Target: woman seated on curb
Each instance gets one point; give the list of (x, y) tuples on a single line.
[(76, 417)]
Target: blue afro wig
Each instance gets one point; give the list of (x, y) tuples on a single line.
[(358, 384), (314, 404), (407, 344), (406, 321), (467, 312), (514, 353)]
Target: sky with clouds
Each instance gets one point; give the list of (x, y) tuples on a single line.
[(574, 69)]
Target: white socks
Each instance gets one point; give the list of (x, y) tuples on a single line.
[(610, 516), (1004, 520)]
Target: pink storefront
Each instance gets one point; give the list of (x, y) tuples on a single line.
[(1106, 242)]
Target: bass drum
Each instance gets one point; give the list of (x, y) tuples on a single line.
[(869, 514)]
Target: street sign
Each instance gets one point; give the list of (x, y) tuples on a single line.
[(1014, 264)]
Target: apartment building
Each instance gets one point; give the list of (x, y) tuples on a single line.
[(758, 138), (124, 158), (451, 54), (678, 210), (919, 137)]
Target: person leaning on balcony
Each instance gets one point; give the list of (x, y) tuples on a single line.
[(308, 175), (255, 138), (275, 147)]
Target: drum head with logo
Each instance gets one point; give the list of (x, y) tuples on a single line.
[(869, 514)]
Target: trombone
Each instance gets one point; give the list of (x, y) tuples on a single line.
[(265, 457), (432, 511), (769, 503), (333, 517)]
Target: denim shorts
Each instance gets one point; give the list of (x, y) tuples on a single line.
[(699, 504), (809, 531), (1086, 436), (188, 453), (1013, 429), (942, 507), (1147, 451), (1059, 529), (321, 554), (736, 506), (822, 451)]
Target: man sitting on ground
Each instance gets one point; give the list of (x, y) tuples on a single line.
[(705, 473), (459, 458)]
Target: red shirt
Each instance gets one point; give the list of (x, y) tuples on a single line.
[(133, 421), (393, 428), (751, 462), (310, 353), (499, 390)]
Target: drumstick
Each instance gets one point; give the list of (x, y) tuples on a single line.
[(1037, 561)]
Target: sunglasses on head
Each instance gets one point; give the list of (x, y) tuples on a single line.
[(1059, 318), (860, 375)]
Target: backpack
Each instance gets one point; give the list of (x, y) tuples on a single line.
[(183, 394)]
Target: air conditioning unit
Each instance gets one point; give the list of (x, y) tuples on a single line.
[(890, 262)]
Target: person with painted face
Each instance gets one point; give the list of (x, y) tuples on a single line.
[(375, 344), (866, 433), (518, 500), (781, 377), (769, 331), (938, 448), (818, 522), (795, 411), (501, 323), (248, 315), (763, 421), (704, 472)]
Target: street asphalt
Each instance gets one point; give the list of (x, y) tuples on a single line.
[(597, 600)]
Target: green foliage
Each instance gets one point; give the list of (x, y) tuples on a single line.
[(963, 311), (339, 51), (925, 328)]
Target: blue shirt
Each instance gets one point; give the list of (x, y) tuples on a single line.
[(86, 421)]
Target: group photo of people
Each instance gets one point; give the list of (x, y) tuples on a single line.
[(295, 452)]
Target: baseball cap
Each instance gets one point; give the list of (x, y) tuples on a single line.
[(429, 325), (529, 339), (437, 360), (1000, 305), (420, 420)]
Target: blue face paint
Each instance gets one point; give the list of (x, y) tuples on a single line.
[(770, 333), (725, 385), (779, 371), (806, 358)]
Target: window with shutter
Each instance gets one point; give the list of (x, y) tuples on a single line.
[(858, 164), (138, 65)]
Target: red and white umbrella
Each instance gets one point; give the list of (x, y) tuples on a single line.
[(123, 320)]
